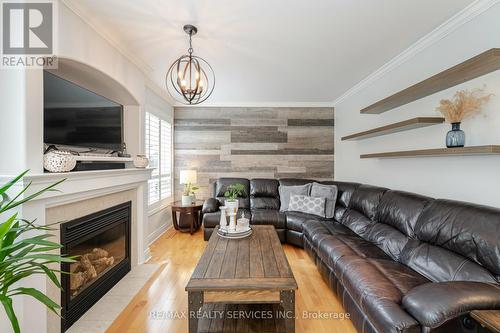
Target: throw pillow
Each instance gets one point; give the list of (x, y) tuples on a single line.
[(308, 205), (287, 191), (329, 192)]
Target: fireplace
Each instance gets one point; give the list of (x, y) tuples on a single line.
[(102, 243)]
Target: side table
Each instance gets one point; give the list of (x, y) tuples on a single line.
[(189, 216)]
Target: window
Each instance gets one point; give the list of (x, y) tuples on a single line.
[(158, 149)]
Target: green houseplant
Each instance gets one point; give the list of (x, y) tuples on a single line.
[(232, 193), (24, 251)]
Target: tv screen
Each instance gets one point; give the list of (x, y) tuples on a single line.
[(75, 116)]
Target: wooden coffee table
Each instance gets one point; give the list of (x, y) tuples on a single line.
[(252, 270)]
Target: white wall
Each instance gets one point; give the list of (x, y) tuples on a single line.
[(21, 105), (475, 179)]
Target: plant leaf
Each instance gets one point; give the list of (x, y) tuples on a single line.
[(4, 188), (13, 203), (39, 296), (5, 227), (9, 310)]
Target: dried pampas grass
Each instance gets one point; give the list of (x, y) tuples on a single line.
[(465, 103)]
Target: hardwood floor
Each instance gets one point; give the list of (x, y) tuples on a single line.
[(153, 309)]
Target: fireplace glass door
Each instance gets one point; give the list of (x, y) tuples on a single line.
[(100, 243), (96, 256)]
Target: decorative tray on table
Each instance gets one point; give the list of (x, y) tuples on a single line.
[(239, 233)]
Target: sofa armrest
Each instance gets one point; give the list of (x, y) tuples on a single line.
[(210, 205), (433, 304)]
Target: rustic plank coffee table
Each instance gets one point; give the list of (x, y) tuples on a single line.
[(252, 270)]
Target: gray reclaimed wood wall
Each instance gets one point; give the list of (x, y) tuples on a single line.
[(253, 143)]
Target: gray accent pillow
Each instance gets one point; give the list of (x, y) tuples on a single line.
[(287, 191), (329, 192), (308, 205)]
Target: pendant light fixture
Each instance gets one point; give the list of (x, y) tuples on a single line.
[(190, 79)]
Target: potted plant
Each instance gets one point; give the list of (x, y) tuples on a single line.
[(465, 103), (232, 193), (188, 194), (25, 251)]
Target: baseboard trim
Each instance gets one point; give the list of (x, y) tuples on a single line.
[(158, 233)]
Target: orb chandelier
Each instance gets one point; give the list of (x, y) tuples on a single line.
[(190, 79)]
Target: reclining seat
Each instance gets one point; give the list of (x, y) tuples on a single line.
[(376, 280), (211, 212), (363, 267), (457, 246), (265, 205)]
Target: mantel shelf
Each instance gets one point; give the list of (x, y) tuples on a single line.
[(396, 127), (465, 151), (477, 66)]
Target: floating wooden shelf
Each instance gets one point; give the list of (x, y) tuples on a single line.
[(396, 127), (477, 150), (480, 65)]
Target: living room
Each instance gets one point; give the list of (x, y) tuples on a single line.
[(250, 166)]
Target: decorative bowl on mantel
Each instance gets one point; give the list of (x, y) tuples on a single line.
[(59, 161)]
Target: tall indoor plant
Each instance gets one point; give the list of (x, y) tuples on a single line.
[(24, 251)]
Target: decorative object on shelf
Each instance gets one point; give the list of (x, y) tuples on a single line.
[(232, 193), (26, 251), (59, 161), (464, 104), (141, 161), (456, 137), (188, 178), (223, 218), (190, 79)]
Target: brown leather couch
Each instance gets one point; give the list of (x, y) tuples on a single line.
[(399, 262)]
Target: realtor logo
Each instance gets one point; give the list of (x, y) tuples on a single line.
[(27, 30)]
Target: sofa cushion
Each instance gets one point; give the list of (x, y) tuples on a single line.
[(267, 188), (378, 286), (366, 199), (268, 217), (334, 247), (439, 264), (264, 194), (287, 191), (220, 187), (329, 192), (296, 220), (265, 203), (307, 204), (469, 230)]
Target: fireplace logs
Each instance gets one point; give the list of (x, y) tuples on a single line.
[(89, 266)]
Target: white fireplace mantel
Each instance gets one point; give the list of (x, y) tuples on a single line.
[(78, 187)]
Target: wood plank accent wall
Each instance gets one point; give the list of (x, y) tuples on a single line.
[(253, 143)]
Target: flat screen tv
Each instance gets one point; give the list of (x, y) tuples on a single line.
[(74, 116)]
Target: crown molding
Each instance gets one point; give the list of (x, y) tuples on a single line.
[(467, 14), (261, 105), (146, 70)]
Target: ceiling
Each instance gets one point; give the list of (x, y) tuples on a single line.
[(270, 51)]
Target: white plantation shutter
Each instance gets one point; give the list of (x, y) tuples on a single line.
[(158, 147), (166, 159)]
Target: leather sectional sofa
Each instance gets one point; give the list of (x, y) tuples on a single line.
[(399, 262)]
